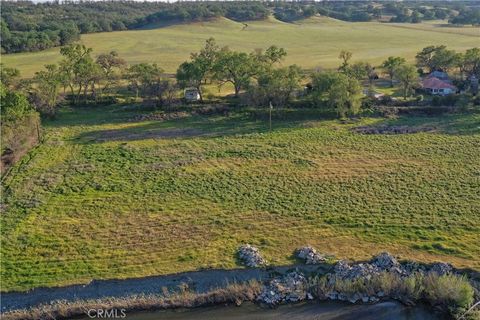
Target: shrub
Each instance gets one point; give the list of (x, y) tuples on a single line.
[(18, 137), (451, 291), (463, 101), (449, 100), (476, 100)]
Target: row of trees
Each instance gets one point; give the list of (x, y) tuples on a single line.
[(258, 77)]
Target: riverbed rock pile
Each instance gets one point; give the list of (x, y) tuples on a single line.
[(250, 256), (386, 262), (310, 255), (292, 287), (441, 268), (343, 270), (380, 263)]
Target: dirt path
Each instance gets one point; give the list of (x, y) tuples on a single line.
[(200, 281)]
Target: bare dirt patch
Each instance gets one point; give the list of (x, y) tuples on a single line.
[(160, 116), (392, 129)]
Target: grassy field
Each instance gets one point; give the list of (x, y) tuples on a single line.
[(311, 43), (105, 197)]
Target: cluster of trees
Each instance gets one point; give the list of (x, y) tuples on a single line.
[(199, 11), (28, 26), (240, 69), (456, 12), (83, 79), (459, 12), (416, 13), (467, 16), (15, 104), (348, 10), (439, 58)]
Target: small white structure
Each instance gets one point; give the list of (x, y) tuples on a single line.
[(192, 94)]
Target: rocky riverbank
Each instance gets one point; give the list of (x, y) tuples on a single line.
[(319, 278)]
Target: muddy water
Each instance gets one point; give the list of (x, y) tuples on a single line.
[(305, 311)]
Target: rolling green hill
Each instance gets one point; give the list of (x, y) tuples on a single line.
[(310, 43)]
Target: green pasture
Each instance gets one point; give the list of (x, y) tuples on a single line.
[(107, 197), (311, 43)]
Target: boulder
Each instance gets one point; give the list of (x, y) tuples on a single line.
[(310, 255), (250, 256), (385, 261)]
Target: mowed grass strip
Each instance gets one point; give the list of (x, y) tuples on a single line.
[(107, 198), (310, 43)]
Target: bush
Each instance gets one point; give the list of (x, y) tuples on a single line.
[(446, 101), (18, 137), (463, 101), (476, 100), (451, 291)]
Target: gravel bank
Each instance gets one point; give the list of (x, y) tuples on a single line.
[(202, 281)]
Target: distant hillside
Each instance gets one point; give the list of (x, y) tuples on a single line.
[(26, 26), (310, 43)]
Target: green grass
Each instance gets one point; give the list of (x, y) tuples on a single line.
[(104, 197), (311, 43)]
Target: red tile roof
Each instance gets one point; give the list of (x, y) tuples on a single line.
[(435, 83)]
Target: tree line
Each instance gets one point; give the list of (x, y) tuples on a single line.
[(257, 78), (26, 26)]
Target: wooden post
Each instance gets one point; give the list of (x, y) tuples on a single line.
[(270, 118)]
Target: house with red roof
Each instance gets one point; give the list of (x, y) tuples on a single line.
[(435, 86)]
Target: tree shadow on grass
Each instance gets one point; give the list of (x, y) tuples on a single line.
[(162, 24), (199, 126), (193, 127), (95, 115)]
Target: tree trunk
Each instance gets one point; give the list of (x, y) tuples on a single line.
[(77, 96), (85, 89), (94, 93), (199, 89)]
